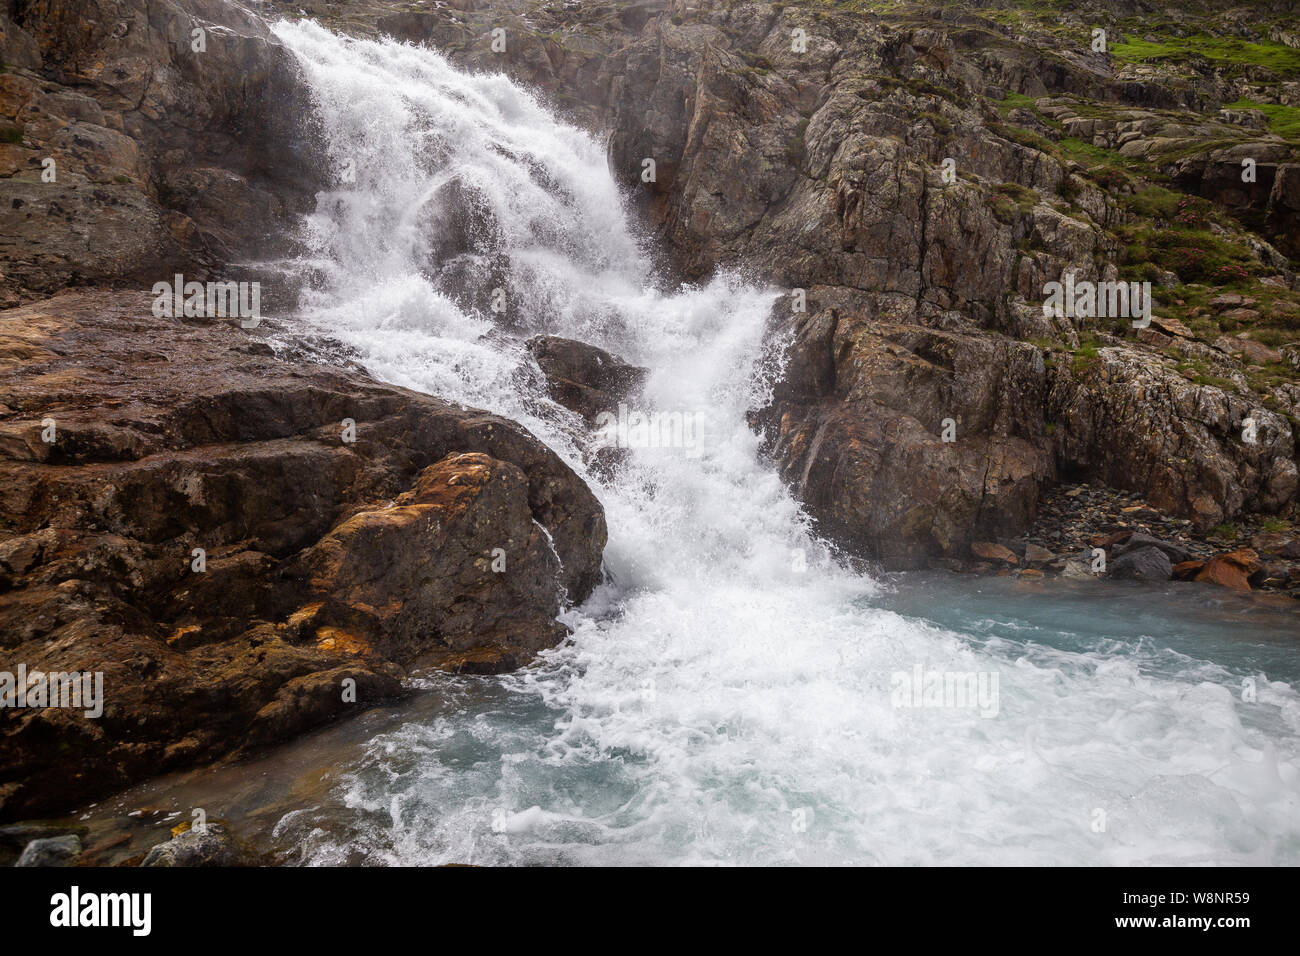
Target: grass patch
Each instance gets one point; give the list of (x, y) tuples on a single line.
[(1282, 120), (1087, 356), (1221, 51), (1023, 136), (1193, 254), (941, 124), (1015, 101)]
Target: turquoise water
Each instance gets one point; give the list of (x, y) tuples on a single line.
[(500, 771)]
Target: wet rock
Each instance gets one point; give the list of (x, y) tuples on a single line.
[(212, 844), (1138, 540), (584, 378), (51, 851), (880, 460), (1272, 574), (149, 141), (441, 536), (1079, 567), (1272, 542), (1142, 563)]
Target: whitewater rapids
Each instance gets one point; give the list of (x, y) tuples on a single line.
[(716, 704)]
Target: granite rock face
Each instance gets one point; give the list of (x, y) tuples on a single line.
[(145, 138), (872, 164)]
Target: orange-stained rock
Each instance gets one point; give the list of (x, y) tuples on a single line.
[(990, 551), (324, 561), (1231, 569)]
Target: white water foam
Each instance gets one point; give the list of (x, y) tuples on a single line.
[(711, 691)]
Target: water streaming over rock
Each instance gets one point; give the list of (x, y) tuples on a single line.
[(715, 703)]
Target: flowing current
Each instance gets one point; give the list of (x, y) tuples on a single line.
[(717, 703)]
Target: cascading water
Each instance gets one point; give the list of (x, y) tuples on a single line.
[(715, 704)]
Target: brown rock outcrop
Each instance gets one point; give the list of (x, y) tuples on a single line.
[(137, 146), (200, 528)]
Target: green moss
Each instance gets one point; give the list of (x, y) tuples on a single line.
[(1005, 209), (1076, 149), (926, 88), (11, 134), (1023, 196), (1155, 202), (1086, 356)]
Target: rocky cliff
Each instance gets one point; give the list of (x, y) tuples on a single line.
[(921, 173)]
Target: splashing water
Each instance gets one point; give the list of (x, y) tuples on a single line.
[(715, 705)]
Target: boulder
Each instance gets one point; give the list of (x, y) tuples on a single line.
[(583, 378), (993, 552), (1138, 540), (211, 844), (1272, 542), (246, 543), (1034, 554), (51, 851), (1231, 569), (1079, 567), (1144, 564)]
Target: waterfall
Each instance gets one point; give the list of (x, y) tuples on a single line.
[(730, 695)]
